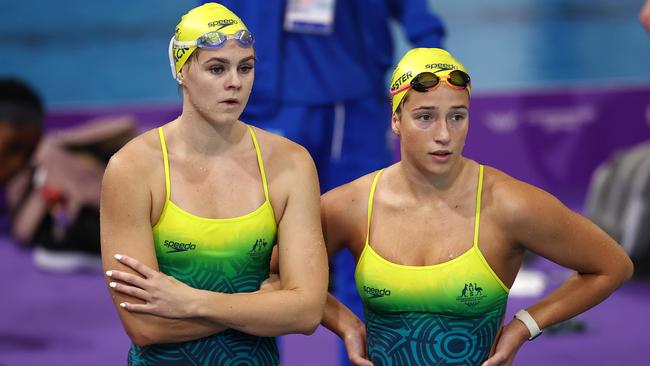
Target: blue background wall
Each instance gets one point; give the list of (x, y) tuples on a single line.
[(86, 53)]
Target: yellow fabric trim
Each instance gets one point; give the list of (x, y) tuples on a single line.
[(494, 274), (260, 162), (166, 160), (370, 199), (477, 218)]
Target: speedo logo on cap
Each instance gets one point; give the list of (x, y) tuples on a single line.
[(441, 67), (222, 23)]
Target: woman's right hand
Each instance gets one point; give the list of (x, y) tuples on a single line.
[(272, 283), (355, 344)]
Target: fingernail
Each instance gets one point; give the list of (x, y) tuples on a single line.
[(113, 284), (109, 273), (118, 257), (123, 305)]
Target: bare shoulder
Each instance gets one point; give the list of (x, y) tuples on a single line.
[(516, 202), (282, 155), (136, 160), (344, 214), (351, 197), (345, 208)]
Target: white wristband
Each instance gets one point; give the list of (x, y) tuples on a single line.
[(530, 323)]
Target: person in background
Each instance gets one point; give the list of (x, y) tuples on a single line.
[(644, 16), (52, 180), (21, 126), (192, 211), (439, 239), (321, 77)]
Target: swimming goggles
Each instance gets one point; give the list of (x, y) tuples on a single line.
[(216, 39), (425, 81)]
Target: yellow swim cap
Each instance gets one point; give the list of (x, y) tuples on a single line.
[(419, 60), (206, 18)]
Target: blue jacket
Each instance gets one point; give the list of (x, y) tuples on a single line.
[(350, 63)]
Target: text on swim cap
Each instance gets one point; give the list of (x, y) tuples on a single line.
[(441, 67), (222, 23), (179, 52), (401, 80)]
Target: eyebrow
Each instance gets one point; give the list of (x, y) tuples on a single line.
[(436, 108), (227, 62)]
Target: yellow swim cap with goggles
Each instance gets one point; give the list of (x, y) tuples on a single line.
[(424, 68), (207, 26)]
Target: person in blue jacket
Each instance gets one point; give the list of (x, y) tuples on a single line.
[(322, 84), (320, 79)]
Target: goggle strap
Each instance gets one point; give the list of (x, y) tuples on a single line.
[(172, 62), (400, 89), (446, 78), (184, 44)]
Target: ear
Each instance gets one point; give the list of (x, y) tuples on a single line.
[(395, 123), (179, 77)]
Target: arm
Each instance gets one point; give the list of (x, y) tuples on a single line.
[(423, 28), (337, 216), (344, 323), (126, 229), (296, 308), (644, 16), (538, 222)]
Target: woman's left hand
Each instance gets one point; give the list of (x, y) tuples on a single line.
[(162, 295), (508, 343)]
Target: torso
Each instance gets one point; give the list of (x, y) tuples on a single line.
[(215, 231), (423, 277), (221, 187), (450, 222)]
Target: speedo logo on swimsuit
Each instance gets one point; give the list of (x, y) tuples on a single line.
[(375, 292), (441, 67), (177, 246), (471, 295), (258, 248), (222, 23)]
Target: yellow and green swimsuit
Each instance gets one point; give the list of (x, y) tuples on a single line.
[(224, 255), (442, 314)]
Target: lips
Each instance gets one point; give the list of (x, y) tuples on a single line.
[(441, 153), (441, 156), (231, 101)]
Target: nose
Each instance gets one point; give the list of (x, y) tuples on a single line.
[(441, 133), (234, 80)]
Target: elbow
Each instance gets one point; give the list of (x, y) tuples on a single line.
[(621, 272), (309, 325), (141, 337), (627, 270), (312, 318)]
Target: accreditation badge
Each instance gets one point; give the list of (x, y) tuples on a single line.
[(309, 16)]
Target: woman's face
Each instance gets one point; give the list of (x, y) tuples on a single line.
[(218, 82), (432, 127)]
